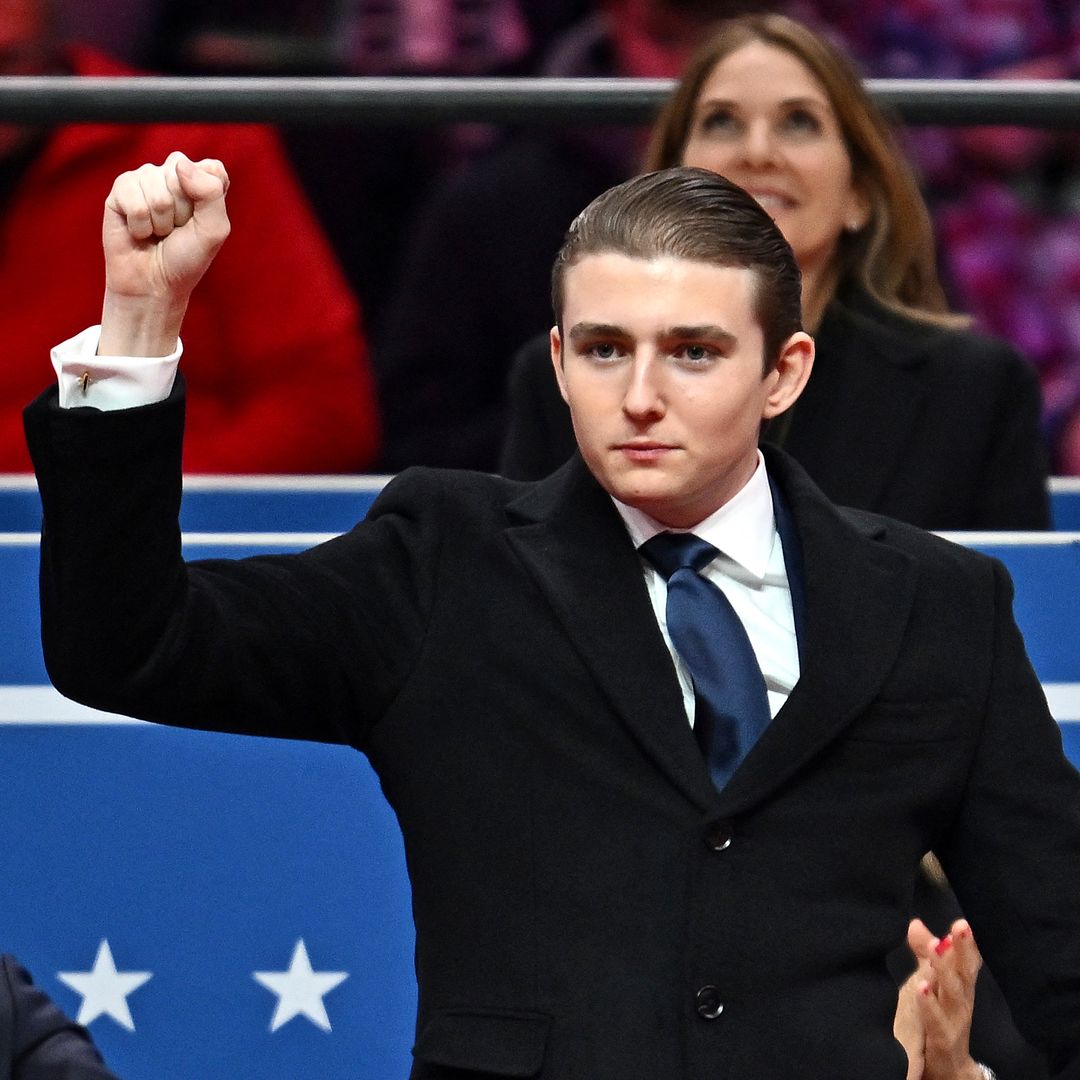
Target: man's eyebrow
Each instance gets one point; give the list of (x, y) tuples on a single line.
[(709, 331), (589, 329)]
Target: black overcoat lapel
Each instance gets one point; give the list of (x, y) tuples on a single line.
[(572, 541), (858, 593)]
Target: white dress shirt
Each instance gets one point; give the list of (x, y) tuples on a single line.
[(751, 572)]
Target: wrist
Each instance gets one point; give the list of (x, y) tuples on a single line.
[(139, 326)]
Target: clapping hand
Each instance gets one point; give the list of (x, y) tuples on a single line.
[(933, 1015)]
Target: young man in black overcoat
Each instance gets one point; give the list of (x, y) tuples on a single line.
[(595, 898)]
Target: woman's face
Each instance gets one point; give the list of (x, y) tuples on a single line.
[(765, 122)]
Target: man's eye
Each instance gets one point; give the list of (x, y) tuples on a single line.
[(695, 354), (604, 350)]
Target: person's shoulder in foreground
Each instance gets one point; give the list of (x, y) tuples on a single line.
[(37, 1041)]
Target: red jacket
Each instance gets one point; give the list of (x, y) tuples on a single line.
[(277, 370)]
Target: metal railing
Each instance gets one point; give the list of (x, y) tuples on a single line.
[(64, 99)]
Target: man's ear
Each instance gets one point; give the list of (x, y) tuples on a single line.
[(788, 378), (557, 362)]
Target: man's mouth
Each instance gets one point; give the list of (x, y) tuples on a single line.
[(644, 450)]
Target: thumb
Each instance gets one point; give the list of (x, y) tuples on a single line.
[(205, 183), (908, 1027), (208, 172)]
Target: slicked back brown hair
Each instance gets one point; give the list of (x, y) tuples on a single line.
[(892, 256), (694, 214)]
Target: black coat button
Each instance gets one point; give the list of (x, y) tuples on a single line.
[(709, 1005), (718, 835)]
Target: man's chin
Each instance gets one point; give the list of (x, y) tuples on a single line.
[(651, 499)]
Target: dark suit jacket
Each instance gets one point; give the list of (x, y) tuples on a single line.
[(579, 885), (37, 1041), (936, 427)]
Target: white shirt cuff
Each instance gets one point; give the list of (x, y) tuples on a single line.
[(110, 382)]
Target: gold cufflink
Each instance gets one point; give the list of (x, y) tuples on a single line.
[(84, 382)]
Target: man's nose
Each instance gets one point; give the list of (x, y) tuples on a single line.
[(644, 397)]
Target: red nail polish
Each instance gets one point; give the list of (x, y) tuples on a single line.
[(943, 946)]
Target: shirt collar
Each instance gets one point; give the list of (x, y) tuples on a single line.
[(744, 528)]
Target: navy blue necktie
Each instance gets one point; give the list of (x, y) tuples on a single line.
[(732, 705)]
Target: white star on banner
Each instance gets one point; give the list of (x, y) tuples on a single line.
[(105, 990), (300, 990)]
